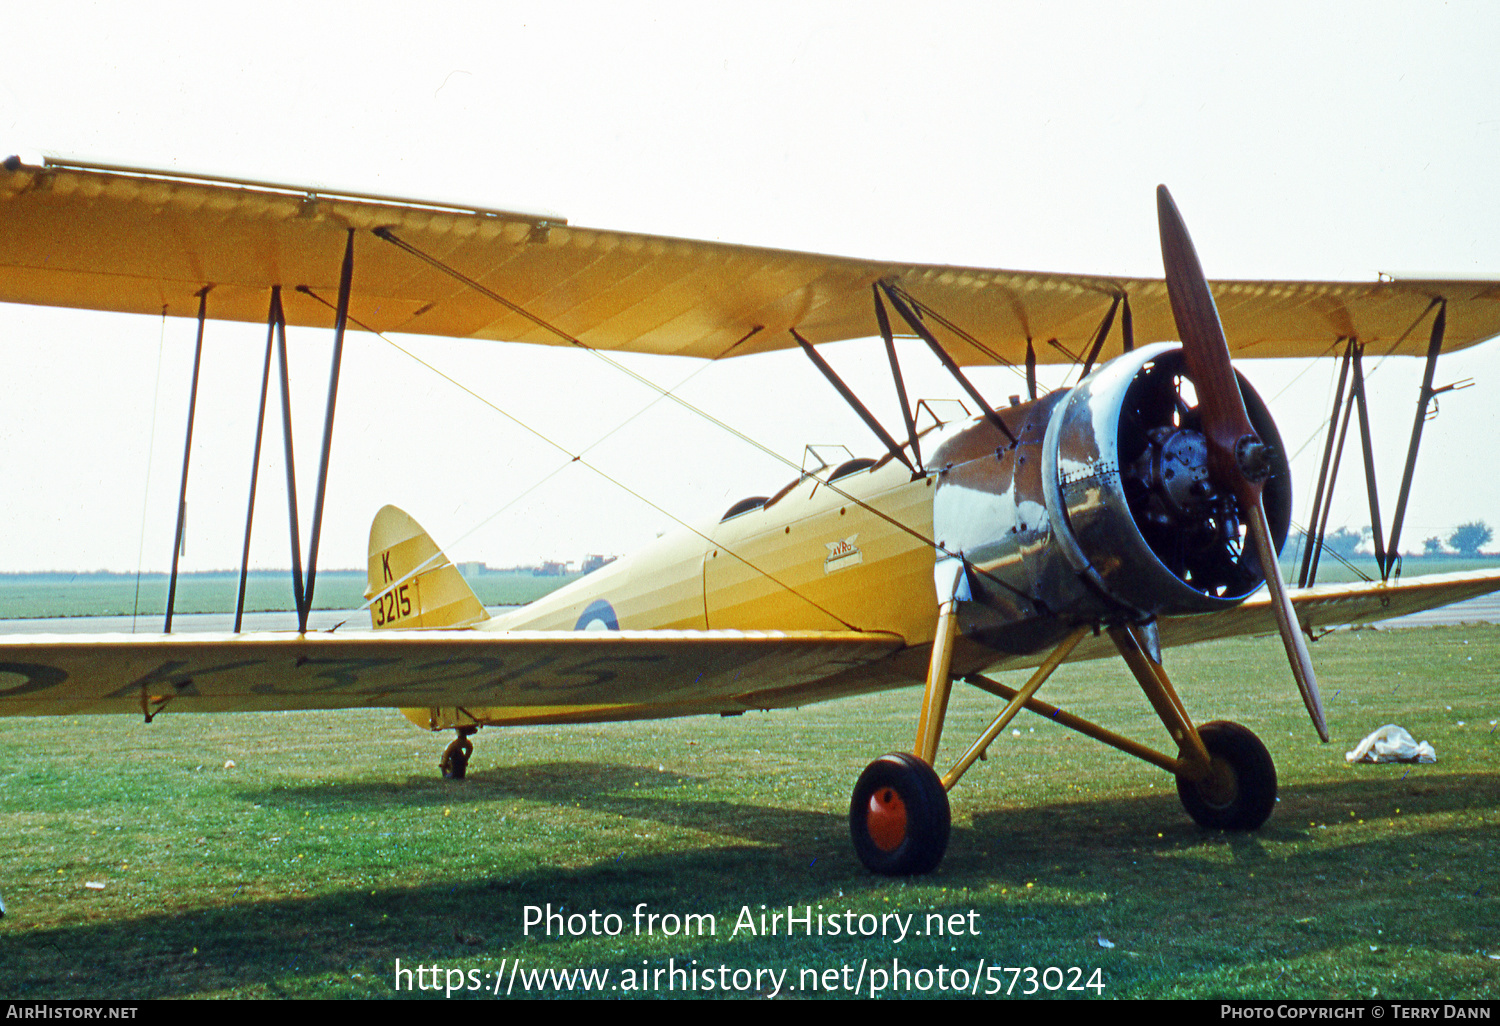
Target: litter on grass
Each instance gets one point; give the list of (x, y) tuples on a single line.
[(1391, 744)]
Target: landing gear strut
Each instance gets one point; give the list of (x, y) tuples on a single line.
[(456, 757), (899, 815)]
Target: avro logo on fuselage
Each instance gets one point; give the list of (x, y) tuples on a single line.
[(842, 554)]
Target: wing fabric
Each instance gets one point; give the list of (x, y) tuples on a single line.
[(1335, 605), (142, 242), (547, 675)]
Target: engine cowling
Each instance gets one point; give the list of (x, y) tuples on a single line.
[(1103, 509)]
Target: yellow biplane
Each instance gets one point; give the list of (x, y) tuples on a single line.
[(1140, 509)]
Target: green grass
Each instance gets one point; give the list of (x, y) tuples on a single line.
[(108, 594), (331, 848)]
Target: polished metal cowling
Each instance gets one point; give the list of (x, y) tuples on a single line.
[(1102, 509)]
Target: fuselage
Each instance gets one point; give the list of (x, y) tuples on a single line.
[(851, 553)]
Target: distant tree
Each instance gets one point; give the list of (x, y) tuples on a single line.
[(1433, 546), (1344, 542), (1467, 539)]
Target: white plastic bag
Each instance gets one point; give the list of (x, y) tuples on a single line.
[(1391, 744)]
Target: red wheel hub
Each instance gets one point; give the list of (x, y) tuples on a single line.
[(887, 819)]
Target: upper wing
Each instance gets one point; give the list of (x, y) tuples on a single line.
[(538, 675), (148, 242)]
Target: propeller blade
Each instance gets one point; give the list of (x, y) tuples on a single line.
[(1237, 458), (1225, 421), (1286, 619)]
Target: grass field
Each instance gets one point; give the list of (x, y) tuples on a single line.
[(108, 594), (331, 848)]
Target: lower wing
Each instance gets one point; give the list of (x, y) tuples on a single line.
[(1318, 608), (557, 676), (540, 675)]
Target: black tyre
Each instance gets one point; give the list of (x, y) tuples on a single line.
[(1241, 792), (899, 816), (456, 759)]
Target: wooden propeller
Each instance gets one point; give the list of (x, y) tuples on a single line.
[(1238, 460)]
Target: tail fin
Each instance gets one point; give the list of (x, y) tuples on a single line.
[(411, 582)]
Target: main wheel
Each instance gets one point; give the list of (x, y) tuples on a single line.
[(1240, 792), (456, 758), (899, 816)]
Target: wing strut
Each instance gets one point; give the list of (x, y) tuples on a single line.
[(291, 469), (272, 318), (1387, 552), (302, 587), (341, 321), (1424, 399), (937, 350), (890, 351), (187, 452), (1317, 523), (1357, 395), (1100, 336)]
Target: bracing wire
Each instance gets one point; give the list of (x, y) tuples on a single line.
[(1304, 537), (140, 552)]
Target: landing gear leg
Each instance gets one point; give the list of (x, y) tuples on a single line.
[(456, 757), (1225, 777), (899, 816)]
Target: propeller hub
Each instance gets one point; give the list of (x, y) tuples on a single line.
[(1255, 458)]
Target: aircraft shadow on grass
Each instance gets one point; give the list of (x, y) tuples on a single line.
[(278, 944), (644, 792)]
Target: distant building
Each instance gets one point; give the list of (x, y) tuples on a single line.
[(551, 569), (592, 563), (471, 569)]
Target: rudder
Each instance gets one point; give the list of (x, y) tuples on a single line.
[(411, 583)]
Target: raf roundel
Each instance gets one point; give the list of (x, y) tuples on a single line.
[(599, 616)]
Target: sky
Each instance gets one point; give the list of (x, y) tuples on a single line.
[(1322, 141)]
